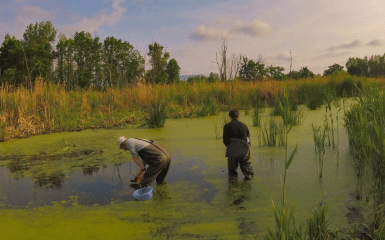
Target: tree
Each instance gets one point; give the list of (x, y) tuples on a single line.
[(251, 70), (357, 66), (376, 66), (306, 73), (294, 75), (158, 62), (96, 63), (12, 61), (38, 49), (173, 71), (83, 50), (333, 69), (222, 61), (275, 72), (213, 77)]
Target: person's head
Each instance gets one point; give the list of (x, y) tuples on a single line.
[(121, 144), (233, 114)]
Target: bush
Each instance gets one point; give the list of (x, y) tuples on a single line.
[(156, 117)]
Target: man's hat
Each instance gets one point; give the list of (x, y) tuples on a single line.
[(121, 140)]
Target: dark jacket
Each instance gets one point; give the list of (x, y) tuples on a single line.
[(236, 137)]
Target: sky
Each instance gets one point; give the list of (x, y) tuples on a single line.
[(315, 33)]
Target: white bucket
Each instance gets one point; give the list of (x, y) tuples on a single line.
[(143, 194)]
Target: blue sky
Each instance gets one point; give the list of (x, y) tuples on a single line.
[(318, 33)]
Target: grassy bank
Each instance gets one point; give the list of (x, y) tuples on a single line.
[(49, 108)]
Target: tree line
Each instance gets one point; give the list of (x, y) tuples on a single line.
[(80, 62), (84, 61)]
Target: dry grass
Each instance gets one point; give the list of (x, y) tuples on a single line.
[(49, 108)]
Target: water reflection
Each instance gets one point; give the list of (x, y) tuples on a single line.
[(54, 180), (38, 182), (238, 191), (89, 170)]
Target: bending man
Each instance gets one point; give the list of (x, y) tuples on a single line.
[(236, 138), (147, 152)]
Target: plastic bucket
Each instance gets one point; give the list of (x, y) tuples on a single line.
[(143, 194)]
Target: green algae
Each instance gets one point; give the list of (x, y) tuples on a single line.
[(238, 209)]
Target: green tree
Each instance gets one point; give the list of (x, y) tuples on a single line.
[(333, 69), (60, 57), (12, 62), (135, 67), (376, 66), (294, 75), (82, 56), (357, 66), (306, 73), (131, 64), (213, 77), (158, 62), (251, 70), (123, 65), (38, 49), (96, 63), (173, 71), (275, 72)]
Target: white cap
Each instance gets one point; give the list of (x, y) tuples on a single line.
[(121, 140)]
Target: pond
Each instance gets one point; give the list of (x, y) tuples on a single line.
[(75, 185)]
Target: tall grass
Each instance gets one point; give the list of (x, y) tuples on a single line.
[(319, 137), (49, 107), (267, 133), (364, 123), (315, 228), (257, 112), (156, 117)]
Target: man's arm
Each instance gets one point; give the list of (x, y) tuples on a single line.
[(226, 138), (140, 173)]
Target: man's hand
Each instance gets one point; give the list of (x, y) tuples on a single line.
[(140, 174)]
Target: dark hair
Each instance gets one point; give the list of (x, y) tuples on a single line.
[(234, 113)]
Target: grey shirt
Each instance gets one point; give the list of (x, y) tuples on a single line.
[(135, 145)]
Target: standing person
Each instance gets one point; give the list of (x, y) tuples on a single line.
[(147, 152), (236, 138)]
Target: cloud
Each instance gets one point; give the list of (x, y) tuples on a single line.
[(203, 33), (26, 15), (229, 26), (354, 44), (92, 24), (375, 43), (332, 55), (255, 28)]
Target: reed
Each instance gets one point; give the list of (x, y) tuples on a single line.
[(328, 100), (268, 132), (156, 117), (257, 111), (364, 123), (285, 226), (49, 107), (285, 113), (317, 226), (319, 137), (337, 106)]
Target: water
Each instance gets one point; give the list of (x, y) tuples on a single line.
[(79, 181)]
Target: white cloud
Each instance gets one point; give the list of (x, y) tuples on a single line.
[(229, 26), (354, 44), (27, 15), (254, 28), (203, 33), (92, 24)]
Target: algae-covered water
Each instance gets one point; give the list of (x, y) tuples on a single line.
[(75, 185)]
